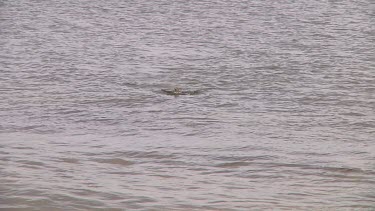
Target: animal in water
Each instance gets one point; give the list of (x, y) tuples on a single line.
[(177, 91)]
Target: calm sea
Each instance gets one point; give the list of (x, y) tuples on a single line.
[(285, 117)]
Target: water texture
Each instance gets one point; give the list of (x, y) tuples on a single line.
[(284, 118)]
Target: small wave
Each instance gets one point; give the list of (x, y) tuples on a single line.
[(117, 161), (69, 160), (233, 164)]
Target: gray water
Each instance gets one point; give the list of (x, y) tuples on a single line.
[(285, 118)]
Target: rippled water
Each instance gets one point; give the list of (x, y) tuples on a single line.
[(285, 118)]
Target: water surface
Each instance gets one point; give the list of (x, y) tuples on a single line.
[(284, 120)]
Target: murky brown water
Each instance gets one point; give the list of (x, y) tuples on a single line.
[(285, 118)]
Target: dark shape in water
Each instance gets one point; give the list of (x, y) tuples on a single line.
[(178, 91)]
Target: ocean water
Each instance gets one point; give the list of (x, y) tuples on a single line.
[(284, 118)]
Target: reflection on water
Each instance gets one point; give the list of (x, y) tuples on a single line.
[(284, 118)]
